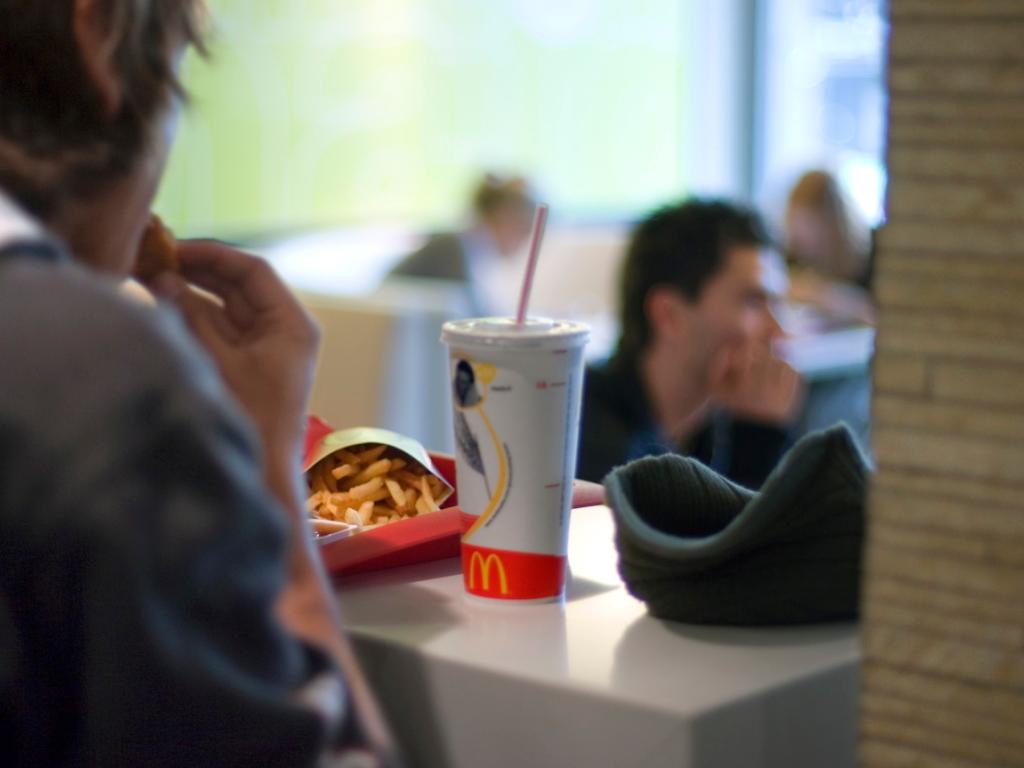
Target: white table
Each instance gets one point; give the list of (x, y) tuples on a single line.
[(595, 681), (833, 354)]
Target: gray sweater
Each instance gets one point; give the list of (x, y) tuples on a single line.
[(140, 554)]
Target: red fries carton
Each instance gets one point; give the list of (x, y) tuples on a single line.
[(406, 494)]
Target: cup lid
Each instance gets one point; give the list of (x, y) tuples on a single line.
[(505, 332)]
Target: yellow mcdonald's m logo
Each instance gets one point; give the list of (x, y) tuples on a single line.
[(485, 564)]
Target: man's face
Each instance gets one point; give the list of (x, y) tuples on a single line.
[(735, 306)]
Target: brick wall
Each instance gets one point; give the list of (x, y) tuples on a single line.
[(944, 611)]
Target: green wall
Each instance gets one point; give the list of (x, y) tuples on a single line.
[(319, 112)]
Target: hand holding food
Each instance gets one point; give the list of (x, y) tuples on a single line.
[(262, 340), (753, 383)]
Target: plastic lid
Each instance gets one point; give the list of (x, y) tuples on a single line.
[(505, 332)]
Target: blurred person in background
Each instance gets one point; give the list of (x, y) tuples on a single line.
[(829, 249), (481, 257), (694, 371), (161, 600)]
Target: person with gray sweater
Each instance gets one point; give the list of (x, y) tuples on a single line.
[(161, 599)]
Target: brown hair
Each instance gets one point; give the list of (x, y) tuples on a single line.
[(56, 141), (849, 239), (494, 192)]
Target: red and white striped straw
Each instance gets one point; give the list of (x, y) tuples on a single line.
[(540, 221)]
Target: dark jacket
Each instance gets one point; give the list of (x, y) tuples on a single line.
[(617, 427), (442, 257), (445, 256)]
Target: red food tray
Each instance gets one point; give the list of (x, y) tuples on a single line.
[(434, 536)]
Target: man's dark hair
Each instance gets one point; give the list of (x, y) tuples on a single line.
[(681, 246)]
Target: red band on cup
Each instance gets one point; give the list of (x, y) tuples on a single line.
[(501, 574)]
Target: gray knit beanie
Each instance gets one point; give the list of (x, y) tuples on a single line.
[(698, 548)]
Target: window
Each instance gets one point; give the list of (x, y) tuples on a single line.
[(317, 113), (822, 101)]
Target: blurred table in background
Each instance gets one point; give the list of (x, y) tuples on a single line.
[(595, 681)]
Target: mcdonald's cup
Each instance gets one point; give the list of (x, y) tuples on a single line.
[(516, 393)]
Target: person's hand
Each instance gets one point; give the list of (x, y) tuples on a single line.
[(262, 340), (265, 346), (752, 383), (587, 494)]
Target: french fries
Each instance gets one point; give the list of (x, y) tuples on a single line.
[(367, 486)]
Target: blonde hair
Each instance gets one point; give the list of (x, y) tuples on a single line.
[(848, 238), (56, 141), (495, 191)]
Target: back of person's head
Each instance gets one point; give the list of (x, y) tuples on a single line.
[(503, 206), (822, 228), (495, 192), (58, 136), (681, 246)]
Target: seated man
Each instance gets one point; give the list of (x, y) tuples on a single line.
[(694, 370)]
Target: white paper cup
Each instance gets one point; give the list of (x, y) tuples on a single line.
[(516, 394)]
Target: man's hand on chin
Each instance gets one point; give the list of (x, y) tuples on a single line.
[(753, 384)]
